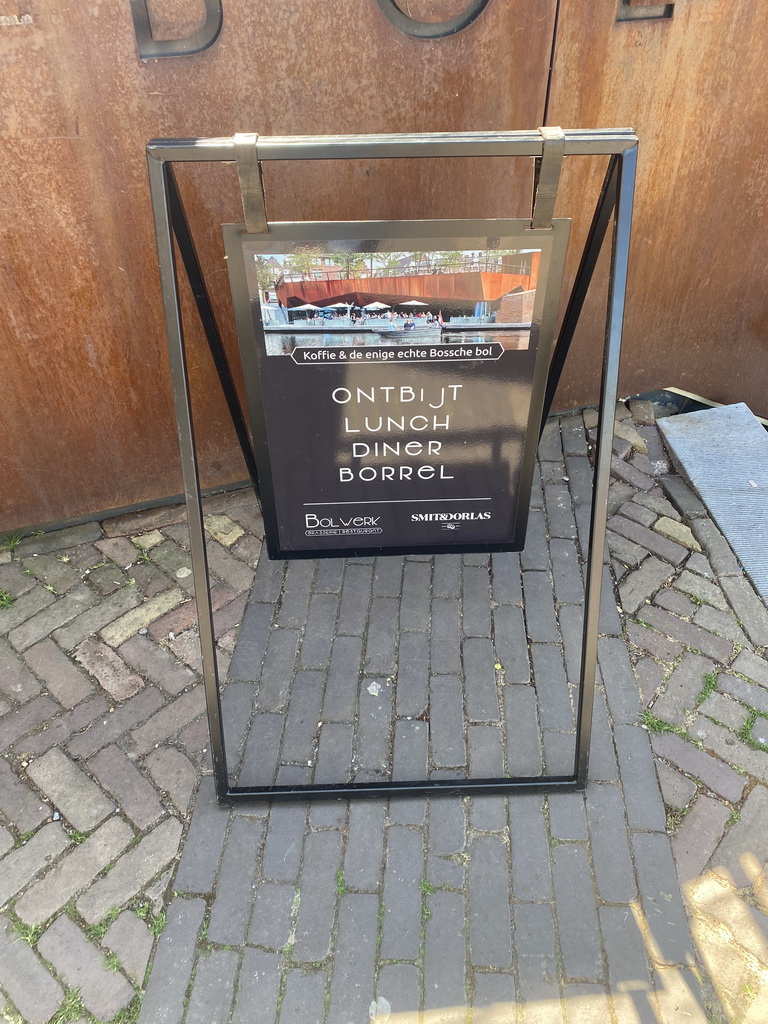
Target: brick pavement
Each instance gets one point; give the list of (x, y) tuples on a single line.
[(564, 908)]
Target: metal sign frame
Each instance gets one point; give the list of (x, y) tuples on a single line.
[(548, 146)]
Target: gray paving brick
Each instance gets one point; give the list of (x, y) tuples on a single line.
[(262, 750), (131, 942), (285, 837), (683, 688), (490, 929), (203, 843), (75, 795), (21, 865), (64, 680), (534, 930), (749, 609), (83, 967), (496, 994), (35, 994), (304, 997), (446, 581), (567, 819), (722, 623), (169, 720), (753, 666), (638, 586), (105, 731), (132, 871), (365, 844), (554, 705), (576, 913), (252, 642), (571, 628), (173, 962), (550, 446), (629, 974), (258, 985), (639, 513), (676, 790), (698, 836), (24, 608), (304, 710), (559, 752), (334, 755), (316, 911), (411, 750), (523, 743), (603, 766), (230, 569), (610, 851), (25, 719), (16, 680), (624, 471), (58, 540), (329, 576), (387, 576), (73, 872), (402, 899), (19, 804), (63, 610), (268, 578), (610, 621), (511, 641), (625, 551), (711, 646), (355, 599), (660, 898), (447, 722), (722, 709), (109, 670), (641, 789), (156, 664), (716, 548), (134, 794), (210, 1000), (725, 745), (278, 669), (661, 647), (415, 600), (579, 479), (272, 909), (230, 912), (559, 511), (476, 602), (340, 702), (486, 760), (535, 554), (482, 697), (531, 879), (318, 635), (400, 985), (539, 990), (381, 642), (618, 679), (445, 952), (505, 571), (445, 652), (673, 601), (352, 982), (682, 497), (566, 572), (373, 740), (412, 690), (539, 607)]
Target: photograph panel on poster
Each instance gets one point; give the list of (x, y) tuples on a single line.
[(395, 376)]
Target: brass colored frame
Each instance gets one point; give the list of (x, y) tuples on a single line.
[(615, 201)]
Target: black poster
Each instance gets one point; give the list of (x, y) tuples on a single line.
[(395, 376)]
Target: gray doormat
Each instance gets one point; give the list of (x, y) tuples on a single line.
[(724, 454)]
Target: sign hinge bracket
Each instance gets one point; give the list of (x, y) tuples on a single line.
[(548, 181), (251, 183)]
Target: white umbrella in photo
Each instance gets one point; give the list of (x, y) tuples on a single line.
[(413, 302), (377, 305), (307, 305)]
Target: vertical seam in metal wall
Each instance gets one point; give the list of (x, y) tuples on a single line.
[(545, 120)]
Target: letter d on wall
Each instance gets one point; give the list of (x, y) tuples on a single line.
[(149, 47)]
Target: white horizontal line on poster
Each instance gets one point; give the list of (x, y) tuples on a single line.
[(396, 501)]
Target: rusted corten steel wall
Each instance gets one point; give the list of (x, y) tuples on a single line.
[(693, 87), (86, 411)]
